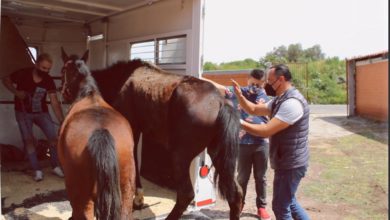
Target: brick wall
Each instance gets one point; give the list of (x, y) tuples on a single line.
[(223, 78), (372, 90)]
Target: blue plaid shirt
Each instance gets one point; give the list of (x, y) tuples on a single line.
[(246, 138)]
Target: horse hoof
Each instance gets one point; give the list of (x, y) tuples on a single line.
[(137, 206), (138, 201)]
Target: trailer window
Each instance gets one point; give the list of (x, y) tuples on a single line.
[(143, 50), (33, 53), (170, 50)]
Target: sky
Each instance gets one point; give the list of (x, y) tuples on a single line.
[(239, 29)]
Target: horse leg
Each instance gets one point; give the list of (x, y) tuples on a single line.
[(235, 202), (127, 176), (184, 192), (138, 201), (79, 194)]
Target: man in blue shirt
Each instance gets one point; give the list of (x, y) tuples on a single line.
[(253, 150)]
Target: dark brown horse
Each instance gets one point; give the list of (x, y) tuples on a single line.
[(95, 150), (182, 113)]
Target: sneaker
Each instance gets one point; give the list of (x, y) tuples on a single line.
[(263, 214), (57, 171), (38, 175)]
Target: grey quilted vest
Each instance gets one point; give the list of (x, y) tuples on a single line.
[(289, 147)]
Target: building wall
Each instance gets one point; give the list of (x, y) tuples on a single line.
[(372, 90)]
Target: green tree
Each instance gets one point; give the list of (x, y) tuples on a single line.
[(210, 66), (294, 53), (313, 53)]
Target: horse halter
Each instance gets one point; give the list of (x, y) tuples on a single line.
[(68, 82)]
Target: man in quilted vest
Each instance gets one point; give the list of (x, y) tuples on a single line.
[(288, 131)]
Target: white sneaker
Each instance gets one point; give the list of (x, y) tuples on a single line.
[(57, 171), (38, 175)]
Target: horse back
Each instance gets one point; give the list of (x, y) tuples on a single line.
[(84, 118), (144, 100), (151, 97), (195, 105)]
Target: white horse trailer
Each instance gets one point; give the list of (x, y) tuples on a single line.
[(168, 33)]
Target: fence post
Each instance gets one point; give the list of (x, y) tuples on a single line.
[(307, 82)]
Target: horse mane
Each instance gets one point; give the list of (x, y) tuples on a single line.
[(90, 88), (113, 78)]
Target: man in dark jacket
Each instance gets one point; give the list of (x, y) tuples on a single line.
[(288, 130)]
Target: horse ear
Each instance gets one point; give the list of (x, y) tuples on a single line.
[(64, 55), (85, 56)]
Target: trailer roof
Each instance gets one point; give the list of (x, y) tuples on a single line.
[(68, 11)]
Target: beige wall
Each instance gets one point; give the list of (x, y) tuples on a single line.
[(372, 90), (162, 19)]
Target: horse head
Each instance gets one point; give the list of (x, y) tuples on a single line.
[(75, 75)]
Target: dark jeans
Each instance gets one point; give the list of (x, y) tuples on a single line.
[(284, 202), (256, 156)]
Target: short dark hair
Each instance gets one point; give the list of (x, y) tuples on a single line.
[(282, 70), (44, 56), (257, 74)]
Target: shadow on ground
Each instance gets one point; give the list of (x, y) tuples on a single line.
[(55, 196)]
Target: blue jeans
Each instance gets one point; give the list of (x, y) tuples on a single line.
[(256, 156), (44, 122), (284, 202)]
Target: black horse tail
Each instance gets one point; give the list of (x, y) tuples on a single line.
[(101, 146), (224, 150)]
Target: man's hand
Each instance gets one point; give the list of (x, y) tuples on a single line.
[(237, 88), (20, 94)]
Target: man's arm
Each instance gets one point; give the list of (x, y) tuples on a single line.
[(264, 130), (259, 109), (9, 85), (56, 106), (220, 87)]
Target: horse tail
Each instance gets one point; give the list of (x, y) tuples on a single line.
[(101, 146), (224, 151)]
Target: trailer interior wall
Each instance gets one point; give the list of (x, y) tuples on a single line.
[(162, 19), (47, 38)]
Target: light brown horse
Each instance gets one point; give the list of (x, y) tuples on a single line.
[(95, 150)]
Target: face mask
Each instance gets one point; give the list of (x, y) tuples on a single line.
[(253, 89), (41, 73), (269, 90)]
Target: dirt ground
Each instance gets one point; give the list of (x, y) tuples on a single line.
[(325, 195)]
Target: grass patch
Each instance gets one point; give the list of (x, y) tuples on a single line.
[(353, 173)]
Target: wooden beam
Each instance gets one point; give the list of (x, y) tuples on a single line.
[(92, 4), (58, 8)]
